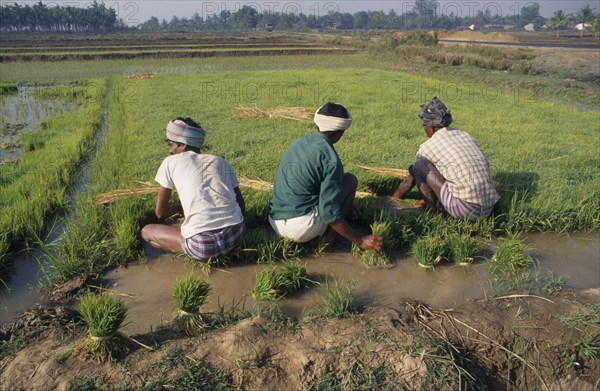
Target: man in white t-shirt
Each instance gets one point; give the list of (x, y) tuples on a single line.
[(211, 201)]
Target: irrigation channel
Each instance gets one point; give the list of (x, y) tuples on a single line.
[(146, 287), (21, 290)]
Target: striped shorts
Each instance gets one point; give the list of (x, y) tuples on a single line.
[(461, 209), (206, 245)]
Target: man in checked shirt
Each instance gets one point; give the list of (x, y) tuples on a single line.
[(450, 170)]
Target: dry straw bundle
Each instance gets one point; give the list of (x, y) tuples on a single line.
[(149, 188), (385, 171), (293, 113)]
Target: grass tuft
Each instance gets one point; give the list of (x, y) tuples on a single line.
[(382, 228), (338, 299), (277, 281), (103, 313), (511, 254), (461, 249), (428, 251), (189, 293)]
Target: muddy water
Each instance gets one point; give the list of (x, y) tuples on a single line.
[(146, 287)]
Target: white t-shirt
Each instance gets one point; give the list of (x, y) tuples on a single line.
[(205, 184)]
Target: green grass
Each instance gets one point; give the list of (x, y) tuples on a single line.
[(461, 249), (545, 183), (8, 88), (511, 254), (383, 228), (103, 313), (189, 293), (428, 251), (337, 299), (278, 281), (33, 189)]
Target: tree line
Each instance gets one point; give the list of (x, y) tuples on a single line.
[(424, 15), (41, 18)]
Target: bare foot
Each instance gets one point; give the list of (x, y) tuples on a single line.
[(329, 247)]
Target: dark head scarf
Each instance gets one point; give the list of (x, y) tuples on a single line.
[(435, 114)]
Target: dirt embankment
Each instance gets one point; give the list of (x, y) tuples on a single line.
[(468, 35), (519, 342)]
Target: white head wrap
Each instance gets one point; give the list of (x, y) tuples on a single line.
[(180, 132), (331, 124)]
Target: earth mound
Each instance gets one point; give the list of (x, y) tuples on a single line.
[(468, 35)]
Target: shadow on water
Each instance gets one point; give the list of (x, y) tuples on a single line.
[(146, 287)]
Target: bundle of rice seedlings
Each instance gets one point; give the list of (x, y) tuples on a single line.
[(428, 251), (382, 228), (461, 249), (189, 293), (338, 299), (103, 313), (293, 113), (511, 254), (277, 281)]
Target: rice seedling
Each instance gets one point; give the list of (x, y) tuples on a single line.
[(428, 251), (189, 293), (8, 88), (338, 299), (511, 254), (382, 228), (277, 281), (461, 249), (103, 313)]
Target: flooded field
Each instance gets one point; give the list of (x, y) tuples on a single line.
[(147, 287), (20, 112)]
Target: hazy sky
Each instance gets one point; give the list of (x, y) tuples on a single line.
[(138, 11)]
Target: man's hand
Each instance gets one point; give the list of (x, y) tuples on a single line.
[(372, 243)]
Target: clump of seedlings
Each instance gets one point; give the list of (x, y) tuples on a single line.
[(511, 254), (382, 228), (461, 249), (277, 281), (189, 293), (103, 313), (428, 251), (338, 299)]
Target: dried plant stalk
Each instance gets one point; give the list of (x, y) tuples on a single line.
[(386, 171), (293, 113)]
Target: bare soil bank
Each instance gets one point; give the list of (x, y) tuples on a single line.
[(521, 342)]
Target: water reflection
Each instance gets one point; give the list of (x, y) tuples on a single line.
[(20, 112)]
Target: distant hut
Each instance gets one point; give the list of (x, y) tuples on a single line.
[(529, 27), (583, 27)]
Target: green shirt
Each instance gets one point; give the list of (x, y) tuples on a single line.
[(310, 174)]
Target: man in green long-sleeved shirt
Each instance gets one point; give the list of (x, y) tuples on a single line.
[(311, 191)]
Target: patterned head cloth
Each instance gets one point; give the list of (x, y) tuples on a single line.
[(328, 123), (180, 132), (435, 114)]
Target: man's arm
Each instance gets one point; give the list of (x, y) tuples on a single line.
[(405, 187), (372, 243), (163, 209)]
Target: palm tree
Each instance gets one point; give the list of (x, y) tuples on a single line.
[(584, 16), (558, 20)]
